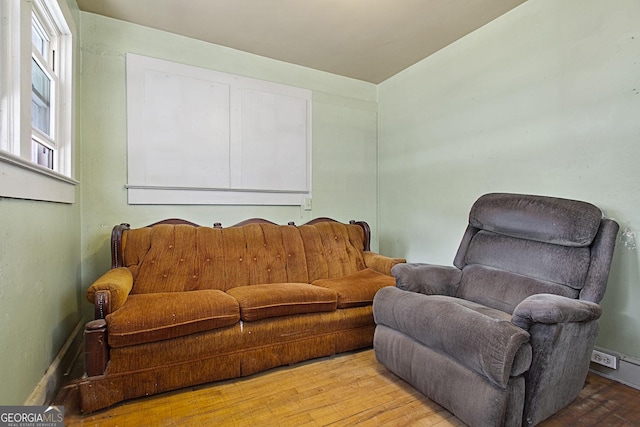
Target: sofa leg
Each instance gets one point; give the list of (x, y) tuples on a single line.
[(96, 349)]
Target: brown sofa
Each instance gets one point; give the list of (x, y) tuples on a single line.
[(185, 304)]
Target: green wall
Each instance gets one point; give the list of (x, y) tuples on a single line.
[(344, 136), (40, 287), (39, 290), (543, 100)]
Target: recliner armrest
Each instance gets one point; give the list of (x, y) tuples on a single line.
[(550, 309), (427, 279)]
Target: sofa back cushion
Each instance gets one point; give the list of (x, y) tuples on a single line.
[(332, 249), (164, 258), (180, 257)]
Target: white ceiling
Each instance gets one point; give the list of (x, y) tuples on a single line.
[(369, 40)]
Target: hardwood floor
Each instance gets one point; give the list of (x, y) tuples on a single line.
[(344, 390)]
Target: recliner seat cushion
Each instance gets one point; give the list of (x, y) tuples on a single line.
[(153, 317), (282, 299), (357, 289)]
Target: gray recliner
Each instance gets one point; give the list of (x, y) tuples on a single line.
[(503, 338)]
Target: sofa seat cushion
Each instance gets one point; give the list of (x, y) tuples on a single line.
[(479, 338), (153, 317), (357, 289), (282, 299)]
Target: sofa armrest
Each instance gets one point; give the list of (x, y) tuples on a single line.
[(110, 291), (380, 263), (96, 349), (427, 279), (550, 309)]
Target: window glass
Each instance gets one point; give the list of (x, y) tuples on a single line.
[(38, 38), (41, 154), (40, 98)]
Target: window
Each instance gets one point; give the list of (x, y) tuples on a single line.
[(36, 136), (44, 81), (199, 136)]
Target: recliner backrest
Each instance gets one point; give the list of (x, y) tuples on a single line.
[(518, 245)]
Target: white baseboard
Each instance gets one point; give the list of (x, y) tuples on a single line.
[(56, 374), (628, 372)]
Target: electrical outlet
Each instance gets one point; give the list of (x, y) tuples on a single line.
[(604, 359)]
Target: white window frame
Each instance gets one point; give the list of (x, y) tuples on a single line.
[(49, 64), (20, 176)]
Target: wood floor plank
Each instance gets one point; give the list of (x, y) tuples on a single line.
[(345, 390)]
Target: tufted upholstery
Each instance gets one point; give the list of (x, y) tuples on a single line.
[(185, 304), (178, 258)]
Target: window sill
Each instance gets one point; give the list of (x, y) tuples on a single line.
[(21, 179), (150, 195)]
